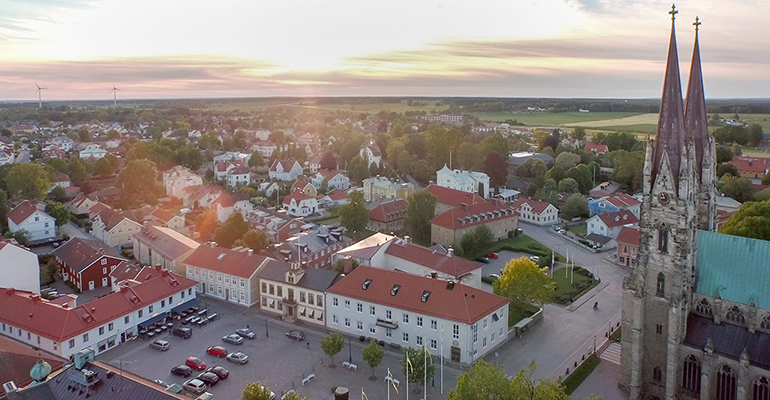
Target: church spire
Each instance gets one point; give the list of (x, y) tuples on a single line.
[(670, 136), (696, 120)]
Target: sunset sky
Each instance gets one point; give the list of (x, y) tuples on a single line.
[(511, 48)]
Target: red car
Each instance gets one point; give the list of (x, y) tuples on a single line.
[(195, 363), (218, 351), (492, 255)]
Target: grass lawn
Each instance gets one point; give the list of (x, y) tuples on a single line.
[(524, 244), (615, 337), (761, 119), (549, 119), (515, 317), (580, 374), (327, 221), (360, 235), (579, 230), (564, 286)]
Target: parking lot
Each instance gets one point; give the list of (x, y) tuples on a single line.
[(277, 361)]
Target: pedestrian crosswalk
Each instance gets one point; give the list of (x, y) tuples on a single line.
[(611, 353)]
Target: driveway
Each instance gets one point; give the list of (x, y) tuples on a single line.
[(74, 231)]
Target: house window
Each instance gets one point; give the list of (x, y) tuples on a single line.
[(279, 290), (726, 389), (657, 374), (433, 325), (484, 342), (109, 326), (104, 271), (736, 315), (663, 240), (302, 297), (388, 315), (359, 325), (371, 310), (347, 322), (703, 307), (659, 329), (170, 300), (388, 333), (101, 330), (125, 320), (150, 308), (405, 337), (189, 291), (433, 344), (475, 331), (264, 302), (243, 296), (162, 303), (319, 300), (335, 320), (406, 318), (761, 389), (219, 277), (484, 325), (272, 289), (182, 294), (661, 288), (243, 283), (335, 302), (492, 338), (419, 321), (85, 337), (264, 287), (104, 261), (347, 304), (141, 312), (72, 343), (360, 307), (455, 331)]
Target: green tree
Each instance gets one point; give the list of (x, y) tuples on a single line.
[(328, 160), (58, 165), (3, 208), (354, 215), (484, 237), (58, 194), (569, 185), (255, 239), (206, 223), (22, 236), (421, 171), (103, 168), (138, 182), (469, 245), (256, 391), (579, 133), (485, 382), (497, 168), (256, 160), (419, 360), (372, 355), (724, 154), (525, 283), (233, 229), (727, 168), (575, 206), (567, 160), (557, 173), (58, 211), (752, 220), (209, 141), (739, 189), (332, 344), (420, 209), (28, 181), (628, 169)]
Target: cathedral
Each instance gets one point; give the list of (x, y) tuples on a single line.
[(696, 308)]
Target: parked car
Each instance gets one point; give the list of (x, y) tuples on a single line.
[(181, 370), (493, 255), (233, 339), (221, 372), (218, 351), (534, 258), (272, 394), (195, 363), (161, 345), (296, 335), (183, 333), (484, 260), (246, 333), (494, 276), (196, 386), (162, 382), (238, 357), (210, 378)]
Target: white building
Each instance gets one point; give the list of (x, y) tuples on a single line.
[(30, 217), (415, 311), (60, 328), (156, 245), (177, 179), (464, 181), (371, 152), (298, 204), (609, 224), (19, 268), (93, 151), (115, 228), (536, 211), (265, 148), (238, 176), (285, 170), (295, 293), (380, 187), (335, 179), (228, 274)]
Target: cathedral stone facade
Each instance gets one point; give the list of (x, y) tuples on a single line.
[(696, 308)]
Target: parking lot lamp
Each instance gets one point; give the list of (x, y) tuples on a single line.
[(267, 334), (350, 351)]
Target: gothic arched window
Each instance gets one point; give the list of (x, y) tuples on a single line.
[(736, 315), (726, 389), (761, 389), (691, 374), (663, 240), (657, 374), (703, 307), (765, 322), (661, 288)]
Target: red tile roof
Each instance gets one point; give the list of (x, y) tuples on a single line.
[(751, 164), (628, 235), (460, 303), (337, 195), (299, 185), (16, 360), (298, 197), (329, 174), (537, 205), (220, 259), (124, 271), (452, 197), (450, 265), (287, 165), (596, 147), (79, 253), (61, 323), (389, 211), (618, 218), (23, 211), (622, 200), (162, 215), (474, 214)]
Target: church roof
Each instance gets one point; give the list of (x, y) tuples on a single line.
[(696, 120), (670, 136), (735, 267), (728, 340)]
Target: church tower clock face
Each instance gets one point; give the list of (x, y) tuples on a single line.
[(664, 198)]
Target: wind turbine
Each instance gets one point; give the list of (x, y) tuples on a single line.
[(115, 95), (39, 95)]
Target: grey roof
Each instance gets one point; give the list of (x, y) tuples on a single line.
[(38, 392), (595, 237), (274, 270), (729, 340), (520, 158), (319, 279)]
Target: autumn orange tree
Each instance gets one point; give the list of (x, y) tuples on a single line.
[(525, 283)]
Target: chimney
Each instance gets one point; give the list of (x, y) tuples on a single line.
[(450, 252), (464, 206), (408, 239), (434, 274), (213, 244), (157, 267), (251, 252)]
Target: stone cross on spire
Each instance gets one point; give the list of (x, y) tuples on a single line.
[(697, 24), (673, 11)]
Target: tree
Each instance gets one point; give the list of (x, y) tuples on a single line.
[(420, 209), (58, 194), (484, 237), (328, 161), (233, 229), (579, 133), (332, 344), (469, 245), (22, 236), (28, 181), (752, 220), (256, 391), (255, 239), (497, 168), (138, 182), (103, 168), (292, 395), (419, 359), (567, 160), (739, 189), (373, 354), (206, 223), (557, 173), (727, 168), (524, 283), (485, 382), (724, 154), (628, 169), (569, 185), (58, 165), (354, 215), (575, 206), (58, 211), (3, 208), (256, 160), (582, 176)]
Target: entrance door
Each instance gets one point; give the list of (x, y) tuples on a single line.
[(227, 294), (90, 285), (455, 354), (104, 281), (291, 310)]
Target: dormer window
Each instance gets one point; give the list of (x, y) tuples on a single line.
[(395, 289), (366, 284), (425, 295)]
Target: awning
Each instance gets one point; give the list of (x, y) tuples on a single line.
[(272, 303), (320, 315), (102, 343), (386, 324), (190, 303), (153, 320), (310, 313), (301, 310)]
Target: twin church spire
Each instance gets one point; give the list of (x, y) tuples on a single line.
[(679, 125)]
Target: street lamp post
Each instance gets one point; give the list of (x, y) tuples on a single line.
[(350, 351), (267, 334), (594, 344)]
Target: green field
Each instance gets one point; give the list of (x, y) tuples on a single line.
[(551, 119), (761, 119)]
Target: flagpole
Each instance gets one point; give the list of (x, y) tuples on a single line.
[(408, 364), (442, 358), (425, 372), (386, 383)]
